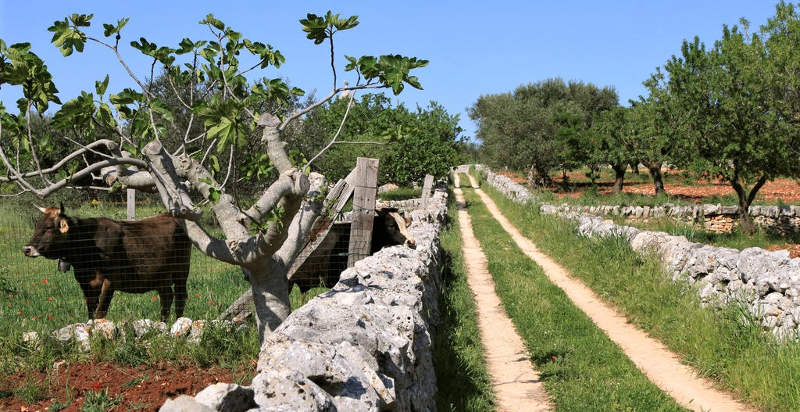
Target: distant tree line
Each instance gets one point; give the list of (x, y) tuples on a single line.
[(730, 111)]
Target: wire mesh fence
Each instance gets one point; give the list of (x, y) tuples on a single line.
[(36, 296)]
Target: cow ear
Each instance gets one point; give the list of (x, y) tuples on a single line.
[(63, 226)]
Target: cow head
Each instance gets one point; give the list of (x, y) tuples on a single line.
[(50, 235), (395, 227)]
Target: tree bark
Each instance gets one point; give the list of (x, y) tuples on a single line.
[(619, 177), (658, 181), (270, 295), (745, 200)]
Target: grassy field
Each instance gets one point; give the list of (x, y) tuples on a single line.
[(458, 355), (725, 345), (581, 368), (36, 297)]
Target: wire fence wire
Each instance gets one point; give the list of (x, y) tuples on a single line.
[(36, 296)]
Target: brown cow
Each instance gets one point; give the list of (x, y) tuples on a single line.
[(109, 255)]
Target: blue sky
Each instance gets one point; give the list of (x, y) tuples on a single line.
[(475, 48)]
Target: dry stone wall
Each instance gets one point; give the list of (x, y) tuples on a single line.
[(365, 345), (766, 283), (716, 218)]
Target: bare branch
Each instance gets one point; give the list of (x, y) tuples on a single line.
[(124, 65), (276, 148), (322, 101), (32, 146), (168, 182), (341, 125), (230, 167), (110, 144)]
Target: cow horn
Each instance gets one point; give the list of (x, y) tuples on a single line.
[(41, 209)]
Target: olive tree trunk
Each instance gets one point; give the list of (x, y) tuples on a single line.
[(658, 180), (619, 176)]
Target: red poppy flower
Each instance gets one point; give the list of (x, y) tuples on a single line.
[(155, 298), (49, 318), (197, 295), (19, 313), (210, 303), (44, 282), (96, 386), (50, 299), (52, 287), (554, 357)]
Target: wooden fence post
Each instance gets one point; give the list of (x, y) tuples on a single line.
[(131, 204), (426, 190), (366, 183)]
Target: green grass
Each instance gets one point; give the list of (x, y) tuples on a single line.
[(725, 345), (36, 297), (464, 180), (581, 368), (401, 193), (463, 383)]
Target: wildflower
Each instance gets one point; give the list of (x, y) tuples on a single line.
[(96, 386), (33, 318), (49, 318), (554, 357), (44, 282), (155, 298), (210, 303), (50, 299), (197, 295), (52, 287), (19, 313), (11, 295)]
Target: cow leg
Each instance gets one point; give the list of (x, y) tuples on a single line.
[(180, 296), (91, 294), (106, 293), (165, 295)]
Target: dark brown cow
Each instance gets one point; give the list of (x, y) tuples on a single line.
[(108, 255)]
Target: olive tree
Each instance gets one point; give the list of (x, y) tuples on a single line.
[(732, 98), (261, 235)]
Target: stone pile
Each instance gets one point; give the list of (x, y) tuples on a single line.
[(365, 345), (766, 283), (81, 333)]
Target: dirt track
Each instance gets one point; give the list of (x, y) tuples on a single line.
[(658, 363), (516, 384)]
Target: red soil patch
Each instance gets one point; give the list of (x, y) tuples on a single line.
[(142, 387), (787, 190), (793, 248)]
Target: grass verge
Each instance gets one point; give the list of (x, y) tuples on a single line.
[(581, 368), (458, 355), (723, 344)]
